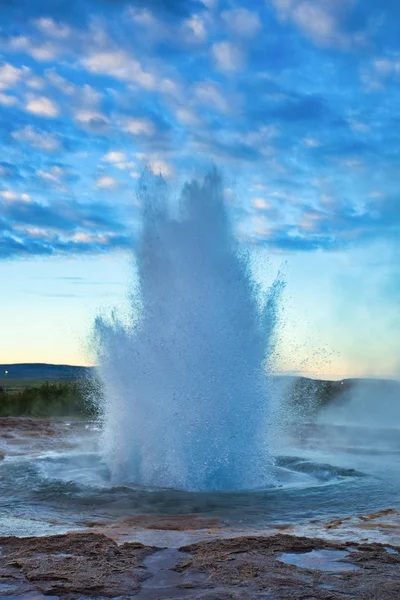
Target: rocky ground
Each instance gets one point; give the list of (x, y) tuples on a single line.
[(91, 565)]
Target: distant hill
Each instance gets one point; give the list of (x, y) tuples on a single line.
[(300, 385), (43, 371), (370, 402)]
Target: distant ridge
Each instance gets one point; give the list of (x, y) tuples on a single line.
[(43, 371), (50, 371)]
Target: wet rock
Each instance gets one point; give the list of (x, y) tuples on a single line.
[(74, 565), (91, 565), (170, 522), (249, 567)]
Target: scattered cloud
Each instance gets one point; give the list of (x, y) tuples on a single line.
[(11, 196), (61, 83), (42, 140), (120, 65), (196, 28), (42, 52), (119, 160), (55, 175), (227, 56), (115, 157), (43, 107), (8, 100), (140, 127), (10, 75), (91, 118), (161, 167), (280, 94), (106, 182), (321, 22), (243, 22), (210, 95), (53, 29)]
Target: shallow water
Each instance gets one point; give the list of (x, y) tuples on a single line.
[(54, 480), (164, 582), (321, 560)]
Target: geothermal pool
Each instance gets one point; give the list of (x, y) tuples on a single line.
[(332, 480)]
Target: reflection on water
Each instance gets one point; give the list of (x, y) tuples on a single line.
[(322, 560)]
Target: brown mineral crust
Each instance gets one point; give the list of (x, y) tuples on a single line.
[(74, 565), (170, 522), (249, 568)]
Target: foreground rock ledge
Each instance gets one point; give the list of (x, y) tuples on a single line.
[(72, 566), (249, 568), (91, 565)]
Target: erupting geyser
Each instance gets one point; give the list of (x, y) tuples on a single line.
[(186, 384)]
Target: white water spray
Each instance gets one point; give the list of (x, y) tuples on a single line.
[(186, 385)]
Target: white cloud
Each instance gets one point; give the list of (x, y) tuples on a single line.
[(142, 16), (143, 126), (38, 139), (106, 182), (42, 106), (311, 142), (359, 127), (242, 21), (45, 52), (36, 83), (7, 100), (89, 117), (227, 56), (167, 86), (115, 157), (385, 66), (60, 82), (187, 116), (161, 167), (262, 204), (49, 27), (196, 28), (11, 196), (54, 176), (123, 166), (91, 238), (379, 71), (10, 75), (119, 160), (35, 232), (89, 96), (377, 194), (121, 65), (208, 94), (320, 21)]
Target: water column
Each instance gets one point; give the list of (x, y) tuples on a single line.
[(185, 381)]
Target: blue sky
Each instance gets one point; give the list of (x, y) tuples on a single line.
[(295, 100)]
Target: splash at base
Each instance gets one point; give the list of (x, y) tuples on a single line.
[(186, 385)]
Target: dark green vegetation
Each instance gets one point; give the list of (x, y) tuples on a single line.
[(42, 390), (49, 399)]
